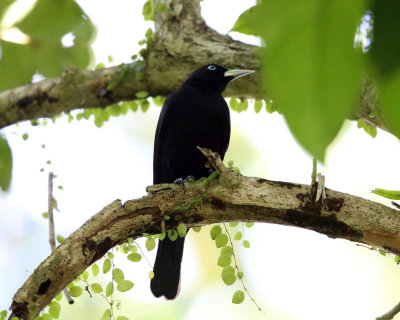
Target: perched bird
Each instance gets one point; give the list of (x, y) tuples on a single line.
[(195, 115)]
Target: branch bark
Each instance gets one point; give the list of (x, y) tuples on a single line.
[(231, 197), (182, 42)]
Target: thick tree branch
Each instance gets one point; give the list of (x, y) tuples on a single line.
[(231, 197), (182, 42)]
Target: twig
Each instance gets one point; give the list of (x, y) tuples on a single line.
[(52, 237), (237, 268), (391, 313)]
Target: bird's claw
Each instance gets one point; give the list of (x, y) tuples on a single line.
[(181, 182), (320, 188)]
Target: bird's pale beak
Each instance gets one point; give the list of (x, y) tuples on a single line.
[(237, 73)]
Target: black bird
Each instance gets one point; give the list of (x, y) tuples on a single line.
[(195, 115)]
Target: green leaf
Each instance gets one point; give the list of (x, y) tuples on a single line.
[(85, 275), (371, 130), (95, 269), (45, 215), (385, 49), (135, 257), (246, 244), (144, 105), (150, 244), (46, 25), (196, 229), (249, 224), (60, 239), (258, 104), (106, 265), (389, 194), (172, 234), (54, 309), (5, 163), (240, 275), (125, 285), (25, 136), (247, 21), (162, 6), (224, 261), (238, 235), (141, 94), (96, 287), (182, 229), (109, 289), (148, 10), (228, 275), (238, 297), (227, 251), (118, 275), (75, 291), (221, 240), (311, 55), (106, 315), (159, 100), (44, 316), (233, 224), (110, 255), (122, 318), (215, 231), (59, 296)]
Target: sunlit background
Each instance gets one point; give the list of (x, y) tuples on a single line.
[(291, 273)]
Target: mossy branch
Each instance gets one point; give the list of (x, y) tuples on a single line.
[(230, 197)]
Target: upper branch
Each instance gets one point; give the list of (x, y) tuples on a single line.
[(231, 197), (182, 42)]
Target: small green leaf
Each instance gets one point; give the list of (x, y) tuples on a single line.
[(224, 261), (238, 235), (240, 275), (162, 6), (109, 289), (54, 309), (25, 136), (258, 104), (5, 164), (167, 217), (159, 100), (106, 315), (59, 296), (172, 234), (227, 251), (60, 239), (122, 318), (118, 275), (125, 285), (151, 275), (100, 65), (111, 255), (249, 224), (196, 229), (238, 297), (44, 316), (221, 240), (106, 265), (141, 94), (150, 244), (144, 105), (182, 229), (85, 275), (215, 231), (45, 215), (95, 269), (75, 291), (397, 259), (246, 244), (135, 257), (389, 194), (96, 287), (228, 275), (382, 252), (233, 224), (148, 10)]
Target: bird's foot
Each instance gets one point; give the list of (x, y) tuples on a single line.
[(181, 182), (320, 196)]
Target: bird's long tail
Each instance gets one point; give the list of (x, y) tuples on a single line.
[(167, 268)]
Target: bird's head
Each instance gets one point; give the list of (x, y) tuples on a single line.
[(215, 76)]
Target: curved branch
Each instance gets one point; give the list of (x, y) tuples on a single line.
[(231, 197), (182, 42)]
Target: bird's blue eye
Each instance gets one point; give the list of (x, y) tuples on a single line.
[(211, 67)]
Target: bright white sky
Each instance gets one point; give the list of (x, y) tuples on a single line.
[(293, 273)]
